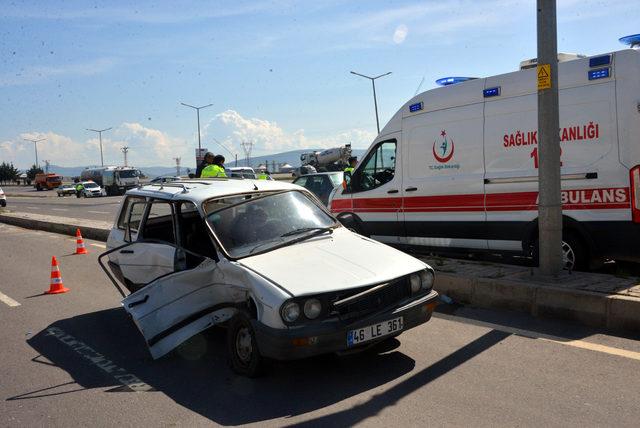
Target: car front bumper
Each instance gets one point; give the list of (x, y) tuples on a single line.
[(331, 336)]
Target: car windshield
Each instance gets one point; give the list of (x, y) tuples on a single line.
[(336, 179), (56, 178), (90, 185), (256, 223), (128, 173)]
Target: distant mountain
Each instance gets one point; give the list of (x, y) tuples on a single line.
[(291, 157)]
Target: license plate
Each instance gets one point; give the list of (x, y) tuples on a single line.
[(374, 331)]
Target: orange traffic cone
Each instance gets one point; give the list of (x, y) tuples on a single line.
[(56, 286), (80, 248)]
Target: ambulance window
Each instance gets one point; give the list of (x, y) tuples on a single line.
[(377, 169)]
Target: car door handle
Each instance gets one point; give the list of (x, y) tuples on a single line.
[(410, 189), (392, 191), (126, 251), (138, 302)]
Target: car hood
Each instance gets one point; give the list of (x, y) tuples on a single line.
[(339, 261)]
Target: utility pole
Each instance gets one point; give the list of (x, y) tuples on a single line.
[(46, 166), (247, 146), (177, 166), (197, 109), (125, 150), (100, 131), (549, 205), (375, 101), (35, 145)]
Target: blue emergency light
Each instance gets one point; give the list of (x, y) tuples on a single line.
[(416, 107), (632, 40), (491, 92), (446, 81), (599, 61), (600, 73)]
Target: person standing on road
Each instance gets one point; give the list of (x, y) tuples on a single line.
[(208, 160), (353, 161), (264, 175), (215, 170), (79, 189)]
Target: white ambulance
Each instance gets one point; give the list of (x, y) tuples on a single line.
[(456, 167)]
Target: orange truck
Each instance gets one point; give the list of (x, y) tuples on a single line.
[(47, 181)]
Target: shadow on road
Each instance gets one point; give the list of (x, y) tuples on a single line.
[(104, 350)]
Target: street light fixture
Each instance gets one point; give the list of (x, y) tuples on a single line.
[(35, 145), (99, 131), (375, 101), (197, 109)]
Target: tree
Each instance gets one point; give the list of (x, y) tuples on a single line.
[(8, 172), (31, 173)]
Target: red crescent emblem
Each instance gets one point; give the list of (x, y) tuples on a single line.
[(445, 159)]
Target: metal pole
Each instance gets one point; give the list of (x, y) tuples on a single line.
[(35, 147), (549, 205), (236, 160), (375, 104), (375, 100), (199, 145), (101, 158)]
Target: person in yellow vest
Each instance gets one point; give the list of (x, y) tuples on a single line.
[(264, 175), (79, 189), (353, 161), (216, 169)]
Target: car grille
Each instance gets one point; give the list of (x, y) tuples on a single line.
[(374, 301)]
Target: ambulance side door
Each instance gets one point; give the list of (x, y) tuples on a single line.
[(375, 189), (443, 176)]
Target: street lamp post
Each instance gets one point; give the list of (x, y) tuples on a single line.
[(100, 131), (375, 101), (35, 145), (197, 109)]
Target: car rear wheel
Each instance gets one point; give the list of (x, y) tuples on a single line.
[(242, 347)]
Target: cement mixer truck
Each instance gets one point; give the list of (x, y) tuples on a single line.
[(334, 159)]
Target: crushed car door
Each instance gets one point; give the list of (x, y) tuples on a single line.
[(175, 307)]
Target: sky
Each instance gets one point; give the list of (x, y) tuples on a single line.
[(276, 72)]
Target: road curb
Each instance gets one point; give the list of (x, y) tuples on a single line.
[(65, 226), (594, 309)]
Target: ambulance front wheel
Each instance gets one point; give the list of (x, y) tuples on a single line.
[(574, 253)]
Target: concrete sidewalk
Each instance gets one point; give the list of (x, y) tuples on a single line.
[(594, 299)]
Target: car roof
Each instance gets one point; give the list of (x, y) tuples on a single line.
[(200, 189)]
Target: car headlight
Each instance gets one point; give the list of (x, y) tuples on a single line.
[(290, 311), (312, 308), (426, 279), (414, 280)]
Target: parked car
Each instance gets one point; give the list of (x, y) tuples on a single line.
[(3, 198), (66, 189), (321, 184), (165, 179), (92, 190), (266, 259), (241, 172)]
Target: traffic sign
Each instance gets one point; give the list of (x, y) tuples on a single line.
[(544, 76)]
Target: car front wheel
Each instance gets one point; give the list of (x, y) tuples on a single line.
[(242, 347)]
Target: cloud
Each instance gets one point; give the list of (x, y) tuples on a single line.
[(36, 74), (269, 137), (400, 34)]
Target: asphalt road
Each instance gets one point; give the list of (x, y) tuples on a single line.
[(74, 359), (103, 208)]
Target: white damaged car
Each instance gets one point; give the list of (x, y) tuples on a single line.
[(266, 259)]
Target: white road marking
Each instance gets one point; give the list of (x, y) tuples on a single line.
[(98, 212), (99, 245), (32, 208), (96, 359), (550, 338), (8, 300), (59, 209)]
